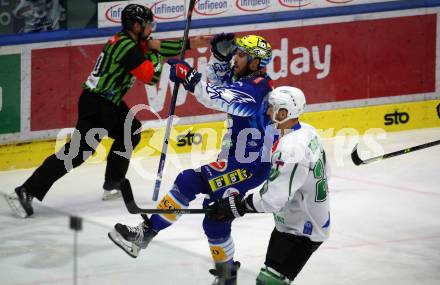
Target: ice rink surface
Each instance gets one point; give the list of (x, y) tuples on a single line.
[(385, 221)]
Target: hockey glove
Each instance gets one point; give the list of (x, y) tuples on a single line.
[(222, 46), (227, 209), (157, 59), (182, 72)]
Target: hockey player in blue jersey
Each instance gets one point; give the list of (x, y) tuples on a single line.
[(241, 91)]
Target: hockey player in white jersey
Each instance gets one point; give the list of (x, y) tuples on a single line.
[(296, 192)]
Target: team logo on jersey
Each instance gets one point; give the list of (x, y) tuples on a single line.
[(219, 165), (230, 97)]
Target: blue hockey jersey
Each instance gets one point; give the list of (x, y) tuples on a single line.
[(245, 101)]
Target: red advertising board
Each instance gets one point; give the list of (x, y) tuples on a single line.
[(57, 77), (330, 62), (362, 60)]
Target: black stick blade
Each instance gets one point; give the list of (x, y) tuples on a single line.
[(358, 161), (133, 208), (355, 156)]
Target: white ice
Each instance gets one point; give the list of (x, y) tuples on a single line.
[(385, 225)]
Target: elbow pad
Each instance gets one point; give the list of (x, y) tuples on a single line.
[(144, 71)]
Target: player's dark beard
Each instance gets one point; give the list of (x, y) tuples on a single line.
[(241, 73), (247, 71), (141, 37)]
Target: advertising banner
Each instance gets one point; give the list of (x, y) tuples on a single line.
[(109, 13), (389, 118), (10, 93), (69, 67), (356, 60), (330, 62)]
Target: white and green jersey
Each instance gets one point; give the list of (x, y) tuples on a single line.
[(297, 191)]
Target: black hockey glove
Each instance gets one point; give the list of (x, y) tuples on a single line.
[(227, 209), (222, 46), (183, 73)]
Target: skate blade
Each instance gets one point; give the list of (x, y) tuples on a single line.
[(16, 206), (129, 248), (111, 195)]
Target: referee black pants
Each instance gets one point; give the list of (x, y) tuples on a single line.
[(96, 116)]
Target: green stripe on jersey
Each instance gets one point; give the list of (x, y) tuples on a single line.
[(170, 47), (291, 178), (123, 48), (113, 79)]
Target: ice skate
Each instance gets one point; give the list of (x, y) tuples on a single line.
[(224, 274), (112, 190), (132, 239), (111, 194), (20, 202)]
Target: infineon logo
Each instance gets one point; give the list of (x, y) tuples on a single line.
[(211, 7), (113, 14), (168, 9), (295, 3), (252, 5)]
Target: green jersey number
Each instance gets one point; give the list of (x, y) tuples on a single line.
[(320, 174)]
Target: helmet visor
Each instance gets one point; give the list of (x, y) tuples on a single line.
[(151, 24)]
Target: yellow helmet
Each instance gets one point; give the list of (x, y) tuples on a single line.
[(256, 47)]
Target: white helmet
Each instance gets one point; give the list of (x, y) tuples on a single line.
[(290, 98)]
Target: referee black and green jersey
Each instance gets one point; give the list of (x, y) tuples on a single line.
[(121, 60), (115, 70)]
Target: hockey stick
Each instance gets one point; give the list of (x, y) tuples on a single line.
[(163, 154), (133, 208), (358, 161)]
